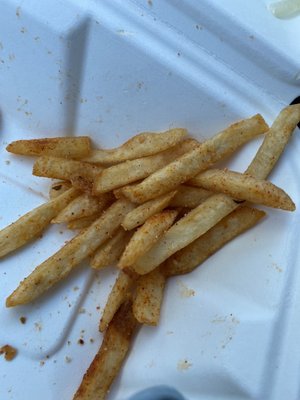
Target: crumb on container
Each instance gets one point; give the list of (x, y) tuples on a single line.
[(9, 352)]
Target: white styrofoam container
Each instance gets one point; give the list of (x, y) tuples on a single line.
[(110, 69)]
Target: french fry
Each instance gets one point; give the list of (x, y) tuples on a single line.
[(274, 142), (188, 197), (109, 359), (141, 145), (57, 188), (110, 252), (149, 296), (81, 174), (59, 265), (134, 170), (119, 293), (244, 187), (187, 259), (146, 236), (68, 147), (32, 224), (140, 214), (193, 162), (82, 223), (186, 230), (84, 205)]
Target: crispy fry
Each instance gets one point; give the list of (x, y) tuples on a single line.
[(146, 236), (197, 160), (134, 170), (81, 174), (188, 197), (119, 293), (187, 259), (140, 214), (32, 224), (244, 187), (68, 147), (110, 252), (149, 295), (58, 188), (186, 230), (274, 142), (142, 145), (83, 206), (58, 266), (108, 361), (82, 223)]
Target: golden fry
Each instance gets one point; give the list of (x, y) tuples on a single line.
[(57, 188), (146, 236), (68, 147), (244, 187), (142, 145), (58, 266), (187, 259), (189, 197), (193, 162), (32, 224), (109, 359), (119, 293)]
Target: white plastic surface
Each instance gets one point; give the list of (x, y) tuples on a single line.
[(110, 69)]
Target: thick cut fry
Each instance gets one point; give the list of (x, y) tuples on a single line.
[(68, 147), (58, 266), (58, 188), (274, 142), (187, 259), (32, 224), (149, 296), (146, 236), (119, 293), (140, 214), (189, 197), (244, 187), (142, 145), (81, 174), (197, 160), (134, 170), (110, 252), (82, 223), (185, 231), (108, 361), (83, 206)]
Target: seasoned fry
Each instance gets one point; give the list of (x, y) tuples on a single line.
[(82, 223), (83, 206), (140, 214), (188, 197), (81, 174), (197, 160), (58, 266), (110, 252), (244, 187), (32, 224), (68, 147), (58, 188), (274, 142), (134, 170), (187, 259), (108, 361), (149, 295), (119, 293), (146, 236), (186, 230), (142, 145)]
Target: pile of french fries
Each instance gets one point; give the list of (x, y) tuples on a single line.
[(153, 207)]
